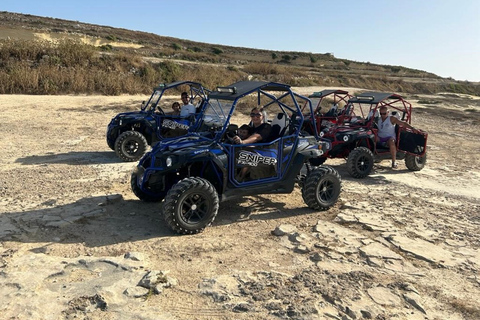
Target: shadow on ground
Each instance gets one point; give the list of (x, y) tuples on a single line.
[(72, 158)]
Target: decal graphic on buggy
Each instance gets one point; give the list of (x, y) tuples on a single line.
[(253, 159), (174, 125)]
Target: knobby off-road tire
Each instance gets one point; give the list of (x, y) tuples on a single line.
[(139, 193), (131, 146), (190, 206), (321, 188), (306, 169), (415, 163), (360, 162)]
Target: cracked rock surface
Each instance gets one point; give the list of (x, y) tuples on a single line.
[(75, 243)]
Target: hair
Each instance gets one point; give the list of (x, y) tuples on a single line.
[(184, 93), (263, 112), (175, 103), (246, 127)]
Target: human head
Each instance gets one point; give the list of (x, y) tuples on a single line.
[(176, 106), (258, 116), (244, 131), (185, 97), (383, 112)]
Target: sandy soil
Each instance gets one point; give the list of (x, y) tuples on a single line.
[(75, 243)]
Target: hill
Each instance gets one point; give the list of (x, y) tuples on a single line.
[(166, 58)]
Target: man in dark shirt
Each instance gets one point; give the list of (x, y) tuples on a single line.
[(261, 130)]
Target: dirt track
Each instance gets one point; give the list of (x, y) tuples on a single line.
[(399, 244)]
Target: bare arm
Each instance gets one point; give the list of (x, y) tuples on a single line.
[(254, 138), (401, 123)]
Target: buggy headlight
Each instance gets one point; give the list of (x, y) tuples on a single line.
[(345, 138), (168, 162)]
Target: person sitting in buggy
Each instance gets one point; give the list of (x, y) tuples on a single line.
[(175, 109), (260, 133), (245, 131), (261, 129)]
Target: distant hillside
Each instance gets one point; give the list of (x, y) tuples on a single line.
[(167, 59)]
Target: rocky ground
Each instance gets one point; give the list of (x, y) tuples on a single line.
[(75, 243)]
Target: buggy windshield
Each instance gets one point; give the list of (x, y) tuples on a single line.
[(152, 102), (215, 116)]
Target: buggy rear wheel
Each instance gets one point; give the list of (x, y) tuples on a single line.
[(415, 163), (191, 205), (321, 188), (360, 162), (130, 146)]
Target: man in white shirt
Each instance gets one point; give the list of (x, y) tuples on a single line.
[(188, 109), (386, 132)]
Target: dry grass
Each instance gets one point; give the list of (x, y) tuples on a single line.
[(71, 67)]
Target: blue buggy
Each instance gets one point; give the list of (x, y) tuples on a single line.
[(130, 133), (192, 174)]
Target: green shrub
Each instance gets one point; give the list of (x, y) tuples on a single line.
[(176, 46), (217, 50), (286, 58), (106, 47)]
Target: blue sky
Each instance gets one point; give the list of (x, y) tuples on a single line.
[(438, 36)]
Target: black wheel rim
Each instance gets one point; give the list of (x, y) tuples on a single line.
[(131, 147), (325, 190), (363, 164), (194, 208), (419, 160)]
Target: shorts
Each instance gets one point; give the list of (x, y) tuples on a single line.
[(383, 141)]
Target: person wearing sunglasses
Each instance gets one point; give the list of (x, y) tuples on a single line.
[(261, 129), (386, 132), (188, 109)]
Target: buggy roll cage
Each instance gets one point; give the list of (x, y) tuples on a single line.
[(338, 96), (196, 90), (241, 89)]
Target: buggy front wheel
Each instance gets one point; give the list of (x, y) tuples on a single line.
[(191, 205), (321, 188), (130, 146), (360, 162)]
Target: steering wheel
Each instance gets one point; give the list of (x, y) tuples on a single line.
[(230, 135)]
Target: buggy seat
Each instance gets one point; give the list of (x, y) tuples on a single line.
[(279, 125)]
